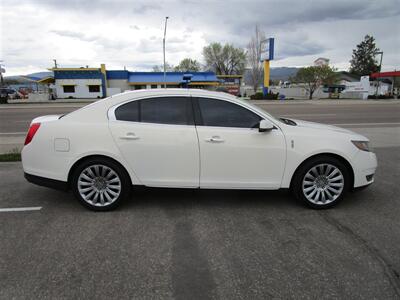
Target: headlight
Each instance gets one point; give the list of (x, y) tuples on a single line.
[(362, 145)]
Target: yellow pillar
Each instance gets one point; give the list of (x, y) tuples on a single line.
[(105, 83), (103, 70), (266, 74)]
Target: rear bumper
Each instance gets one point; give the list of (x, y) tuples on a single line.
[(47, 182)]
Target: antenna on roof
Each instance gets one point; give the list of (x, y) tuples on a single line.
[(55, 63)]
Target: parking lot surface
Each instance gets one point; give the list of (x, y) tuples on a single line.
[(210, 244)]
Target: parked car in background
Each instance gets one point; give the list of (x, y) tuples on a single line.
[(186, 138), (10, 93)]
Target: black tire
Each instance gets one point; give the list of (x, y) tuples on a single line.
[(124, 179), (299, 176)]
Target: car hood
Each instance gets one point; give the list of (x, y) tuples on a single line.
[(313, 125)]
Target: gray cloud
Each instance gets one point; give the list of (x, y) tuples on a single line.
[(146, 7), (269, 12), (75, 35), (100, 40), (131, 31), (299, 49), (174, 45)]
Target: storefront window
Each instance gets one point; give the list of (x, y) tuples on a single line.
[(69, 88), (94, 88)]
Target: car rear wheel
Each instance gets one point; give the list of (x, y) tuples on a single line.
[(100, 184), (321, 182)]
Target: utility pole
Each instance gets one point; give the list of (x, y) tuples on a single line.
[(1, 74), (380, 64), (380, 70), (165, 33)]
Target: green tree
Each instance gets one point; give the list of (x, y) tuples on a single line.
[(254, 58), (188, 65), (315, 76), (160, 68), (363, 61), (224, 59)]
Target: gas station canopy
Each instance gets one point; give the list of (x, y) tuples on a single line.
[(385, 74)]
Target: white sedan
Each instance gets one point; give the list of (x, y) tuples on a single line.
[(186, 138)]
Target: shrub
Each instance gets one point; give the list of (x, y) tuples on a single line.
[(3, 100), (13, 155), (260, 96)]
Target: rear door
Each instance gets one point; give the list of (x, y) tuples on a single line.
[(158, 139), (233, 153)]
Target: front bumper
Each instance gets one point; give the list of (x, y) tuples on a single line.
[(364, 166)]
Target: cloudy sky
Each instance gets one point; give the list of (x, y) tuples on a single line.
[(129, 32)]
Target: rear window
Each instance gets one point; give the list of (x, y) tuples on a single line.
[(160, 110), (128, 112), (166, 110)]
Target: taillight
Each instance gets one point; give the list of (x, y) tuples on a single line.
[(31, 133)]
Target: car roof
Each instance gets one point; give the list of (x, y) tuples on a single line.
[(131, 95)]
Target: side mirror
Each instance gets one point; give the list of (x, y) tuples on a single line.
[(265, 125)]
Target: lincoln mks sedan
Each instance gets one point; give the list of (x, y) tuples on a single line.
[(186, 138)]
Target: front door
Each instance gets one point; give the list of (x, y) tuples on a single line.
[(233, 153), (158, 139)]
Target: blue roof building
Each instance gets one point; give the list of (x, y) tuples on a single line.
[(172, 79), (99, 82)]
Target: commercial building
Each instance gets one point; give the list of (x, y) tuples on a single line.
[(230, 83), (80, 82), (99, 82), (348, 86)]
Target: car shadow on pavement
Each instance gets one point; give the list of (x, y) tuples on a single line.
[(171, 197), (145, 197)]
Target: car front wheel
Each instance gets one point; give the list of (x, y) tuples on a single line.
[(321, 182), (100, 185)]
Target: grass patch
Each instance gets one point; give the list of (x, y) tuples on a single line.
[(14, 155)]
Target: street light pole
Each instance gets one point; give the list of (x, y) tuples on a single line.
[(165, 32)]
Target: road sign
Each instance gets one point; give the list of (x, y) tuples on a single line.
[(267, 54), (267, 49)]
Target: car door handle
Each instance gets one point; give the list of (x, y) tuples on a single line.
[(129, 136), (215, 139)]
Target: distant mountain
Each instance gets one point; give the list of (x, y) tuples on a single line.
[(40, 75), (32, 75), (21, 79), (283, 73)]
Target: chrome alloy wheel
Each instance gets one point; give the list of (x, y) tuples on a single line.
[(99, 185), (323, 184)]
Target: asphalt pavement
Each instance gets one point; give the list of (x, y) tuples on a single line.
[(208, 244)]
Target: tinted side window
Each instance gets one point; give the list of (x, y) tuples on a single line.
[(166, 110), (225, 114), (128, 112)]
